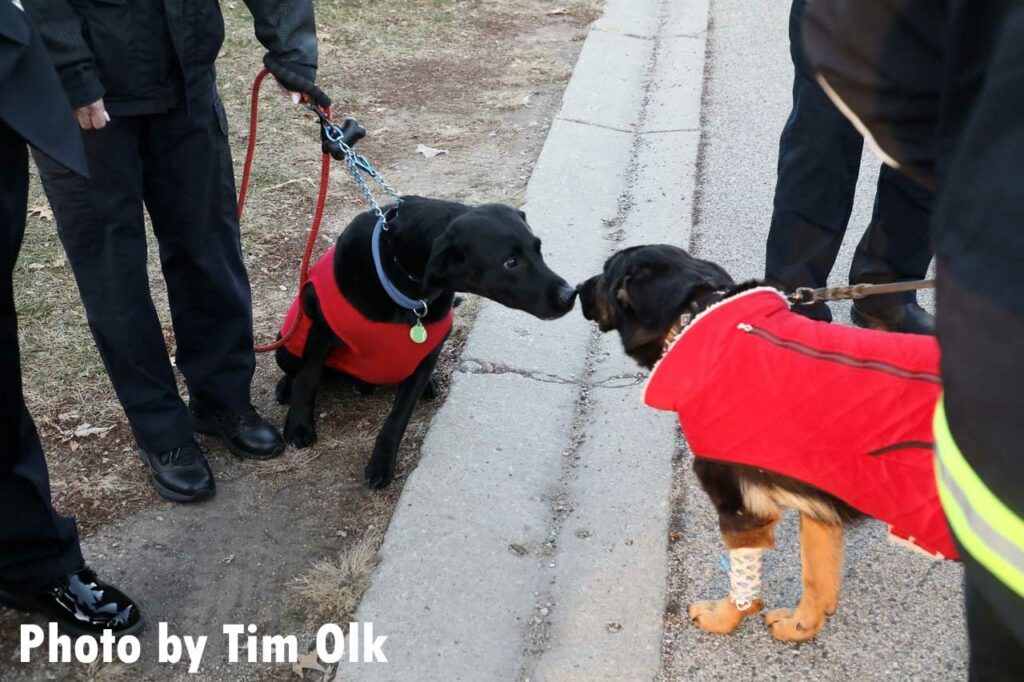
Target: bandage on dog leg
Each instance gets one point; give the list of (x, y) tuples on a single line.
[(745, 576)]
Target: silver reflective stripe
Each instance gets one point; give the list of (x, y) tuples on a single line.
[(996, 541)]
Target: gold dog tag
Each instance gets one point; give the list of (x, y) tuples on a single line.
[(418, 333)]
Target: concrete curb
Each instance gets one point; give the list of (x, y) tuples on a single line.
[(530, 541)]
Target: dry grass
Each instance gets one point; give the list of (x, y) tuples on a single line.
[(333, 587)]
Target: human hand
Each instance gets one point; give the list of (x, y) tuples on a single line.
[(297, 86), (295, 97), (92, 116)]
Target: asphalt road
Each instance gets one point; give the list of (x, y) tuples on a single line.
[(900, 613)]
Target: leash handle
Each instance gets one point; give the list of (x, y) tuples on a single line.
[(250, 150), (336, 142), (318, 212)]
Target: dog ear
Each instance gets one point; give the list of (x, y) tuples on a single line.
[(445, 264), (658, 294), (637, 291)]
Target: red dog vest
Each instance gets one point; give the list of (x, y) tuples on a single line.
[(846, 410), (375, 352)]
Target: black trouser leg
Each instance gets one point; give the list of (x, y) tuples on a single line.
[(190, 193), (100, 223), (36, 545), (819, 161), (982, 375), (996, 652), (897, 244)]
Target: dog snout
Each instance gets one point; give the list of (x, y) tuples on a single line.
[(588, 301), (566, 297), (560, 299)]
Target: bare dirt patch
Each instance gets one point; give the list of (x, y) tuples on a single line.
[(480, 79)]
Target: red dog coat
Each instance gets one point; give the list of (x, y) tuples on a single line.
[(848, 411), (375, 352)]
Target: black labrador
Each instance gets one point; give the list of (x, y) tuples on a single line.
[(431, 250)]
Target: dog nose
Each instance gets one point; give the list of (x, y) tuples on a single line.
[(566, 296)]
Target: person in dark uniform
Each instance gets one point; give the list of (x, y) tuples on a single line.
[(939, 88), (41, 566), (140, 77), (819, 161)]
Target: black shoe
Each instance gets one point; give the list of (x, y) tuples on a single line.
[(817, 311), (181, 474), (246, 434), (80, 604), (908, 318)]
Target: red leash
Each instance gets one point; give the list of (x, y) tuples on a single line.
[(318, 213)]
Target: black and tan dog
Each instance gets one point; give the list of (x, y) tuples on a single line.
[(739, 367), (350, 324)]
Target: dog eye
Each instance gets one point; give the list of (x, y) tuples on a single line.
[(510, 263)]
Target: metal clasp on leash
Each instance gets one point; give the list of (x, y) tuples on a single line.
[(808, 295)]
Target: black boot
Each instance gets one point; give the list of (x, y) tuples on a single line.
[(181, 474), (818, 311), (80, 604), (246, 434), (908, 318)]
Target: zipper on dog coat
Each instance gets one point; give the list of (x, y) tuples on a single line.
[(378, 353), (845, 410)]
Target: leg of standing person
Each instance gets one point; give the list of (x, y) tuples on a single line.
[(896, 247), (997, 652), (100, 223), (819, 161), (43, 546), (190, 193), (979, 251), (41, 565), (981, 471)]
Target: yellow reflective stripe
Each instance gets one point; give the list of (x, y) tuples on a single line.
[(987, 528)]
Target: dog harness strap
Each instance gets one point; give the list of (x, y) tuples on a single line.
[(745, 576), (991, 532)]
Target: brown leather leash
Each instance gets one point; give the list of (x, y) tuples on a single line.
[(808, 295)]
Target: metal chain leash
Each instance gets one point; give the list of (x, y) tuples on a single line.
[(357, 166)]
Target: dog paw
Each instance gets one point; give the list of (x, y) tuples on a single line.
[(787, 625), (283, 390), (379, 473), (720, 616), (431, 390), (299, 433)]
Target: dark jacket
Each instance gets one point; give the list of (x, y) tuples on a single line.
[(31, 100), (150, 56), (940, 88)]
